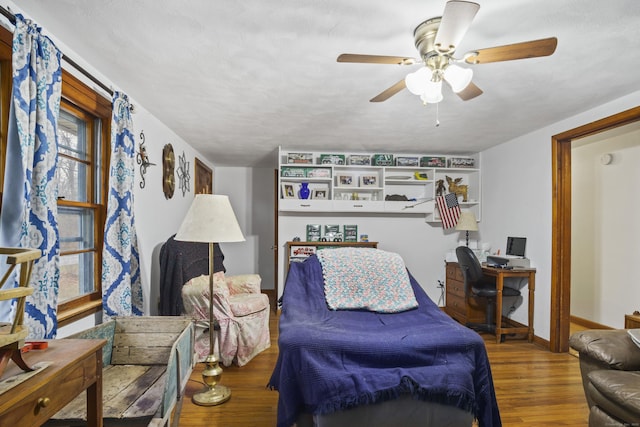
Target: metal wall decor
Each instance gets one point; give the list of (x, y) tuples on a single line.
[(142, 158), (168, 167), (183, 174)]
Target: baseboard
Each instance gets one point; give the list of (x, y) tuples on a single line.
[(587, 323)]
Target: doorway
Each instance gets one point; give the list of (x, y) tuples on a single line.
[(561, 221)]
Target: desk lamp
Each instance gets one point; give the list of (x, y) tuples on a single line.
[(210, 219), (467, 222)]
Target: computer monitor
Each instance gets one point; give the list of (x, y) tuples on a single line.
[(516, 246)]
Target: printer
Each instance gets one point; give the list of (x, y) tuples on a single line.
[(514, 257), (508, 262)]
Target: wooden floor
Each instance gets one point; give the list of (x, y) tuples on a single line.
[(534, 387)]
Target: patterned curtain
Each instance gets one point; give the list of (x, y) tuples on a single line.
[(121, 288), (30, 212)]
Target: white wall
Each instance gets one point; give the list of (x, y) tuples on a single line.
[(250, 191), (516, 199), (605, 244)]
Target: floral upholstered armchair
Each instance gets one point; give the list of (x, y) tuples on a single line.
[(239, 307)]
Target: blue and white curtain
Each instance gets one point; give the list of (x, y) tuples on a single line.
[(29, 211), (121, 288)]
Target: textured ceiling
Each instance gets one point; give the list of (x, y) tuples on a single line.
[(237, 79)]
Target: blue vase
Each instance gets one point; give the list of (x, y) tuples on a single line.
[(304, 190)]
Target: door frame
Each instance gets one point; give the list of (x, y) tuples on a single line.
[(561, 221)]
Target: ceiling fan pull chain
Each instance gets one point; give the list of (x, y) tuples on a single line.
[(438, 115)]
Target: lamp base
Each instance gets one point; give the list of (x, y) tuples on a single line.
[(214, 393), (212, 396)]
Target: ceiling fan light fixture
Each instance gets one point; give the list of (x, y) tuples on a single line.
[(433, 92), (458, 77), (416, 82)]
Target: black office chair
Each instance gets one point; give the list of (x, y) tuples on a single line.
[(478, 285)]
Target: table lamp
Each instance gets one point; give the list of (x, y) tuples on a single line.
[(467, 222), (210, 219)]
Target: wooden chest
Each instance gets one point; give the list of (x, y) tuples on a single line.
[(456, 304), (147, 363)]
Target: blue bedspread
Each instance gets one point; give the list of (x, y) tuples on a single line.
[(335, 360)]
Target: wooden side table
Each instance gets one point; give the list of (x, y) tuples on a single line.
[(632, 321), (76, 365)]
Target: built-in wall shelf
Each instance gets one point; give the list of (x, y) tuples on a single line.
[(381, 183)]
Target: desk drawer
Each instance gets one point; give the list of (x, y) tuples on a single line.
[(454, 272), (455, 288), (456, 303), (54, 395)]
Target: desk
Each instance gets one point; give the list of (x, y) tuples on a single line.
[(500, 274), (76, 365)]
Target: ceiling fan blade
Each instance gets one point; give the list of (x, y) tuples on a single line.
[(376, 59), (530, 49), (456, 20), (388, 93), (469, 92)]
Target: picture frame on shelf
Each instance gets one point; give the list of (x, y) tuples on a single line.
[(298, 158), (406, 161), (350, 233), (433, 162), (345, 180), (368, 180), (292, 172), (332, 159), (359, 160), (288, 190), (462, 162), (314, 232), (319, 194)]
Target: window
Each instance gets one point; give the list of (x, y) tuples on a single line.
[(83, 140), (83, 136)]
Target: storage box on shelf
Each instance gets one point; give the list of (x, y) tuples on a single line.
[(376, 183)]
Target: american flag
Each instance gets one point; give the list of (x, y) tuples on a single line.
[(449, 210)]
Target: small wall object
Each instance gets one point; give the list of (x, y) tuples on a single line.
[(142, 158), (183, 174), (457, 188), (168, 166)]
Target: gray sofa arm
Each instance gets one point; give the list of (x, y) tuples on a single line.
[(611, 348)]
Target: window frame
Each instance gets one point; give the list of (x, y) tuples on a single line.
[(79, 96)]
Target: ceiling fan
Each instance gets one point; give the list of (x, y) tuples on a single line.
[(436, 40)]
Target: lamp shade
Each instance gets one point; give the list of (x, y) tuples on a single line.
[(416, 82), (458, 77), (467, 222), (210, 219)]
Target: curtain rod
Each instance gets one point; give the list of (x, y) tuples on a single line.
[(12, 18)]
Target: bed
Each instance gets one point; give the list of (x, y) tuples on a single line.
[(359, 367)]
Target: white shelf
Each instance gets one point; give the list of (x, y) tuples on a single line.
[(388, 180)]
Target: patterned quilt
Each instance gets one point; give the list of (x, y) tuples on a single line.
[(366, 278)]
